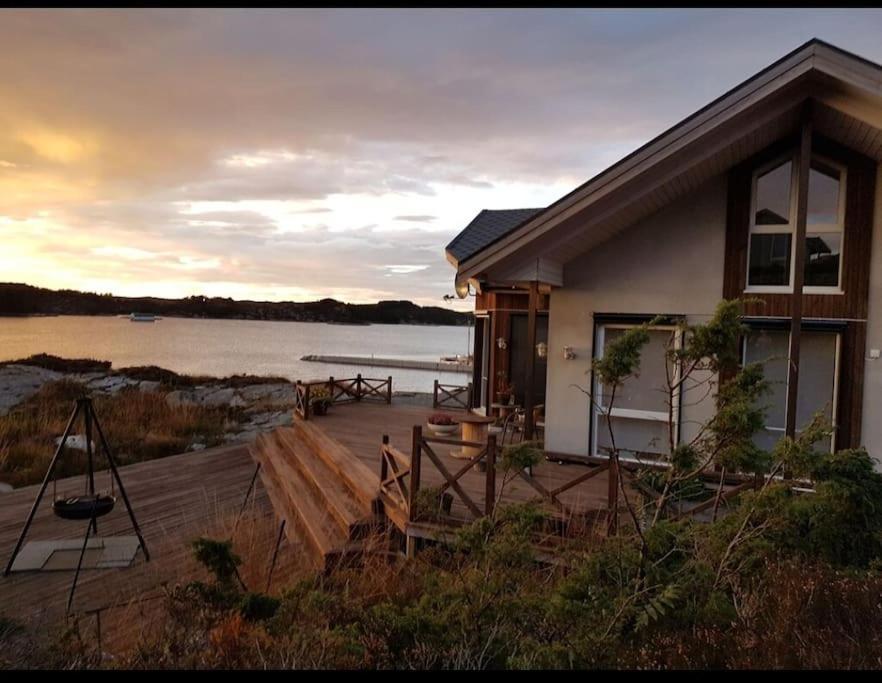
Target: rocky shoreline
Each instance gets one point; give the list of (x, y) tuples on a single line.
[(260, 406)]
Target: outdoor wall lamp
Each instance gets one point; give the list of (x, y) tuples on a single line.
[(501, 343), (542, 350), (569, 354)]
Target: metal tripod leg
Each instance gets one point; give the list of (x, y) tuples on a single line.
[(269, 576), (73, 586), (122, 489), (30, 519)]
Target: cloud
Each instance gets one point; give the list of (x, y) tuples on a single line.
[(303, 151), (420, 218)]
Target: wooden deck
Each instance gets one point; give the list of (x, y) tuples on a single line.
[(360, 427), (176, 500)]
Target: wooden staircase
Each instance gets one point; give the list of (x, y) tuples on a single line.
[(325, 494)]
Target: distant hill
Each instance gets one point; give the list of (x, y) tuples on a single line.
[(20, 299)]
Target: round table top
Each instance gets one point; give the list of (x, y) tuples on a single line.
[(472, 418)]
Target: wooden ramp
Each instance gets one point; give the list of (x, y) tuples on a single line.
[(323, 492)]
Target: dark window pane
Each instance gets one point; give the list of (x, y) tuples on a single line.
[(817, 365), (822, 259), (769, 260), (773, 196), (823, 198)]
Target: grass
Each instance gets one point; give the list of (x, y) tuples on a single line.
[(138, 426)]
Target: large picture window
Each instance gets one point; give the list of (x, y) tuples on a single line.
[(818, 378), (773, 225), (638, 412)]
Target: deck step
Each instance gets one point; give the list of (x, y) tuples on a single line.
[(353, 516), (297, 502), (281, 506), (361, 481)]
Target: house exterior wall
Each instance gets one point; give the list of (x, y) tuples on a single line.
[(871, 419), (671, 262)]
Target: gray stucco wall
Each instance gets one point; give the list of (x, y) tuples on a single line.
[(671, 262), (871, 426)]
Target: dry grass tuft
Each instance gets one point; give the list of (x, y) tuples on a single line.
[(138, 426)]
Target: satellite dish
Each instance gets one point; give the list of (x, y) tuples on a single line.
[(462, 289)]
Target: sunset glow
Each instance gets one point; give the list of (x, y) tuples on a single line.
[(301, 154)]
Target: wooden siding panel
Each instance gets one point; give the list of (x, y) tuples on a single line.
[(860, 191)]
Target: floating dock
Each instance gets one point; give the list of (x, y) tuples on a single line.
[(403, 363)]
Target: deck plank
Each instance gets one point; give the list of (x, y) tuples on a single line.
[(175, 499)]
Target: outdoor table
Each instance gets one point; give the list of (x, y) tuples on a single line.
[(474, 428)]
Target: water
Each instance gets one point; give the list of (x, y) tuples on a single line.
[(229, 347)]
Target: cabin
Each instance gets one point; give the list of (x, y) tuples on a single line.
[(768, 193)]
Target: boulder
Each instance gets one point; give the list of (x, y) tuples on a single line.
[(178, 398), (76, 441)]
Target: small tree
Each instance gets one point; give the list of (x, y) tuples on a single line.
[(702, 362)]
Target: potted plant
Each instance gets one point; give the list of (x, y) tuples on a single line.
[(319, 399), (442, 424), (504, 389)]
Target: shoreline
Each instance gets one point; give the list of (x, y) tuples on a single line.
[(125, 316)]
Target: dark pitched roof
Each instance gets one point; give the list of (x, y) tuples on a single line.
[(488, 226)]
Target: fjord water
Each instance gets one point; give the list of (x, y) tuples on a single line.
[(229, 347)]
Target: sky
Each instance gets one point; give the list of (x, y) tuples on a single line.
[(296, 154)]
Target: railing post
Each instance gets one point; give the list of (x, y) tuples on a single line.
[(612, 520), (490, 491), (384, 464), (331, 388), (389, 390), (306, 405), (435, 396), (358, 387), (469, 403), (415, 457)]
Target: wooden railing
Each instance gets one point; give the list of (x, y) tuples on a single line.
[(452, 396), (403, 495), (400, 483), (350, 390)]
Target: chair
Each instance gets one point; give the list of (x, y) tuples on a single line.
[(510, 426)]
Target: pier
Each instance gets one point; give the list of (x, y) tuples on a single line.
[(403, 363)]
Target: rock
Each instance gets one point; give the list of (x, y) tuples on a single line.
[(148, 385), (75, 441), (279, 392), (179, 398), (110, 384), (5, 488), (214, 397), (237, 402), (20, 382), (244, 436), (197, 446)]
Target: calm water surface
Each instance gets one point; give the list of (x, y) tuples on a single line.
[(228, 347)]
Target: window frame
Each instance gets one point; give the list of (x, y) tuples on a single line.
[(764, 326), (598, 409), (790, 227)]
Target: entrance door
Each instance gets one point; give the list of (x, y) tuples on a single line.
[(519, 357)]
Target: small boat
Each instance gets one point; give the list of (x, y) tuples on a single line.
[(142, 318)]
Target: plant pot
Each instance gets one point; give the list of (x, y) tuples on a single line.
[(319, 408), (442, 430)]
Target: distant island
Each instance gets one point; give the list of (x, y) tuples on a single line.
[(23, 300)]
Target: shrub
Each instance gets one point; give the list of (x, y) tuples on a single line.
[(66, 365), (442, 420)]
